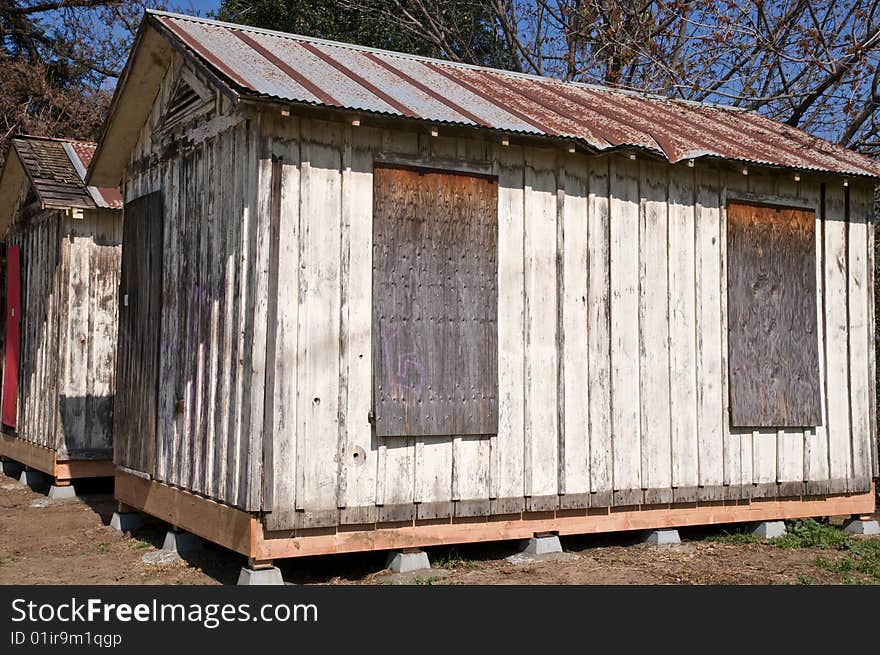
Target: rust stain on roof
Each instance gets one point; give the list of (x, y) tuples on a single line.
[(300, 69)]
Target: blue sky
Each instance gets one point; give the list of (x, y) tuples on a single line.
[(201, 6)]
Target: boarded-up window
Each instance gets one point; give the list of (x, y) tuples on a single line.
[(137, 356), (772, 342), (435, 303)]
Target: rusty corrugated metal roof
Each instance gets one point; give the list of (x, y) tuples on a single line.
[(57, 167), (313, 71), (81, 153)]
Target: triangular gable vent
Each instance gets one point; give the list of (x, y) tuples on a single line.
[(183, 100)]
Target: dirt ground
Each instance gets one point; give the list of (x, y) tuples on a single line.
[(69, 542)]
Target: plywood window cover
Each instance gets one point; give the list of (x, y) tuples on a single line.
[(432, 414), (772, 284)]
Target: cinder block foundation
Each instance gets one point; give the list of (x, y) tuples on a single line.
[(543, 545), (862, 526), (11, 468), (32, 478), (768, 529), (661, 537), (181, 542), (405, 561), (126, 521), (260, 577), (62, 493)]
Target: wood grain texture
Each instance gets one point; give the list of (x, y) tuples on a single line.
[(435, 240), (598, 329), (857, 331), (707, 250), (624, 271), (137, 372), (682, 337), (597, 258), (541, 400), (654, 329), (772, 341)]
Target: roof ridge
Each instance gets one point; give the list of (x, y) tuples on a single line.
[(442, 62), (37, 137)]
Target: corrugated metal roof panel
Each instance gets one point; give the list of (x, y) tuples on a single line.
[(81, 153), (300, 69)]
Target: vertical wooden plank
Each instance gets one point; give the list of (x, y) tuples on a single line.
[(575, 316), (599, 334), (682, 319), (739, 453), (345, 246), (226, 155), (790, 442), (318, 336), (182, 462), (238, 261), (214, 281), (836, 340), (539, 248), (169, 324), (857, 295), (104, 252), (250, 473), (508, 481), (624, 271), (470, 479), (816, 440), (361, 453), (78, 321), (872, 330), (710, 415), (281, 499), (654, 334)]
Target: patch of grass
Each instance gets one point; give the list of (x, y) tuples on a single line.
[(735, 538), (810, 533), (453, 560), (860, 564), (426, 581), (104, 547), (7, 559), (137, 544), (805, 580)]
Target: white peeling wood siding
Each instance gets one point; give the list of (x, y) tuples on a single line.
[(612, 333), (214, 283), (68, 336), (622, 400)]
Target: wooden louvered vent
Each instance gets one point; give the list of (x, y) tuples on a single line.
[(182, 102)]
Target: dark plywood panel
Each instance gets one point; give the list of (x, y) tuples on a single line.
[(137, 371), (435, 303), (772, 340)]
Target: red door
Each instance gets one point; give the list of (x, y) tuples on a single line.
[(13, 335)]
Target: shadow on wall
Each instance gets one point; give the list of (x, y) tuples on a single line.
[(86, 423)]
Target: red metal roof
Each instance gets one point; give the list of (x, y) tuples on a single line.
[(84, 151), (317, 72)]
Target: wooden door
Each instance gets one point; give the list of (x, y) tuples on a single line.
[(13, 336), (435, 303), (137, 358)]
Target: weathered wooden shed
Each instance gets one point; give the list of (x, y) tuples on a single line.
[(376, 301), (63, 242)]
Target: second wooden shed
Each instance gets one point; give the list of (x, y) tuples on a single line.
[(371, 300), (62, 241)]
